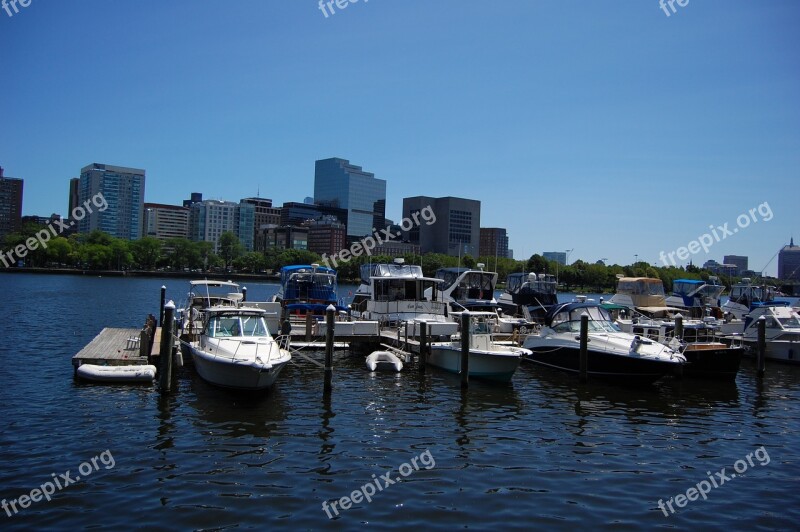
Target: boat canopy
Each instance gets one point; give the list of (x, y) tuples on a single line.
[(213, 284), (472, 284), (368, 271), (567, 317)]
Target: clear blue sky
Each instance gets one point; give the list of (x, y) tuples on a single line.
[(603, 127)]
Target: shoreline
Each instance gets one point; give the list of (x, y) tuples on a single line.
[(220, 276)]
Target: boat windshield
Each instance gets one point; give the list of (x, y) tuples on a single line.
[(230, 326), (791, 322), (570, 321)]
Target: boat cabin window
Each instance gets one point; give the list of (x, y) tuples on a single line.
[(792, 321), (599, 320), (481, 327), (230, 326)]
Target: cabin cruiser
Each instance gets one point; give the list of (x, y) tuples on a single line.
[(487, 359), (613, 355), (236, 350), (697, 296), (746, 297), (782, 330), (470, 290), (396, 293), (529, 295), (307, 289)]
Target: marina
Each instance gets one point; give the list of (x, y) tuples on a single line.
[(590, 452)]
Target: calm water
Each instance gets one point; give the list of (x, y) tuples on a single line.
[(542, 452)]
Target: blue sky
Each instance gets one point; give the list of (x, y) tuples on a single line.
[(604, 127)]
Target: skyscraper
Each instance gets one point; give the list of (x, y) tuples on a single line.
[(74, 195), (494, 242), (338, 183), (210, 218), (789, 262), (740, 261), (123, 190), (457, 228), (10, 204), (165, 221)]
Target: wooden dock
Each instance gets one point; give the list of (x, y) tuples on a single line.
[(119, 347)]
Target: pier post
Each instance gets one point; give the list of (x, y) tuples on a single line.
[(244, 294), (584, 353), (161, 306), (309, 321), (679, 327), (165, 351), (329, 334), (423, 344), (761, 354), (465, 349)]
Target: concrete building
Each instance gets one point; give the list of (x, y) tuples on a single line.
[(789, 262), (457, 228), (265, 214), (210, 218), (326, 235), (10, 204), (283, 237), (123, 190), (294, 213), (196, 197), (165, 221), (739, 261), (337, 183), (494, 242), (720, 269), (557, 256)]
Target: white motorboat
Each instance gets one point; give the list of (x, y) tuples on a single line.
[(123, 374), (782, 332), (699, 298), (529, 295), (384, 360), (613, 355), (487, 359), (236, 350), (465, 289), (205, 294)]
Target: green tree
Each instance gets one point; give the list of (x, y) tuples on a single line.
[(146, 252), (229, 247)]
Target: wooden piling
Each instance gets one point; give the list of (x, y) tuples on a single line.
[(465, 349), (679, 327), (584, 353), (761, 354), (309, 324), (161, 306), (244, 294), (423, 344), (165, 352), (329, 333)]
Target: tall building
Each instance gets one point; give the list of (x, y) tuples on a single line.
[(789, 262), (123, 190), (557, 256), (165, 221), (739, 261), (283, 237), (456, 230), (494, 242), (196, 197), (337, 183), (74, 195), (721, 269), (10, 204), (265, 214), (210, 218)]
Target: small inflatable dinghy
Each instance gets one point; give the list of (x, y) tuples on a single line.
[(384, 360), (137, 373)]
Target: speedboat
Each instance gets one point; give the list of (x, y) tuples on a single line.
[(529, 295), (487, 359), (612, 354), (782, 332), (464, 289), (236, 350), (204, 294)]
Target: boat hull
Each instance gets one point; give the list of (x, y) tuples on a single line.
[(487, 365), (717, 363), (235, 375), (618, 369), (784, 351)]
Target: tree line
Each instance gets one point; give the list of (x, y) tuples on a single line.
[(100, 251)]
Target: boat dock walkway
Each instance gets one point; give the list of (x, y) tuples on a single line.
[(121, 346)]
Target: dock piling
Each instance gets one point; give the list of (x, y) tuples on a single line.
[(465, 349), (679, 327), (423, 344), (165, 351), (761, 354), (329, 334), (584, 353), (161, 306), (309, 322), (244, 294)]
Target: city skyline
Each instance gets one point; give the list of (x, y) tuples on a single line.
[(640, 131)]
